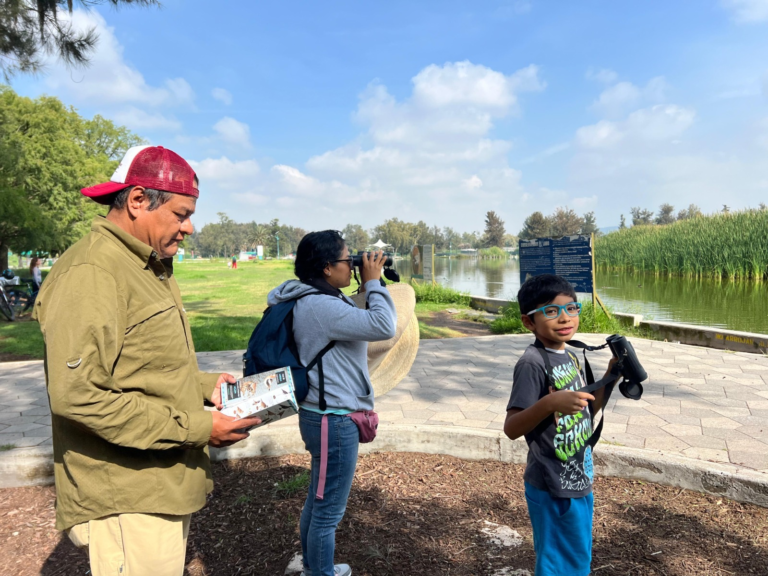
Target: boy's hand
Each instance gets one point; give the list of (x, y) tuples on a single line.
[(568, 402)]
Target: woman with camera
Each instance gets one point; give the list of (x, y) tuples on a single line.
[(323, 315)]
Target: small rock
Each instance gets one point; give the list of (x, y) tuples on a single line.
[(512, 572), (452, 311), (296, 565), (502, 535)]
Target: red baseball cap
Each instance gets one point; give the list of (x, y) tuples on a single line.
[(150, 167)]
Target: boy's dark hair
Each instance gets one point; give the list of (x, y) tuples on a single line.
[(316, 250), (541, 290)]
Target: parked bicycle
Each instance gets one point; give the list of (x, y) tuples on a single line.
[(7, 279), (21, 298)]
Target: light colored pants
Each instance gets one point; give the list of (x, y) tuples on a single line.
[(134, 544)]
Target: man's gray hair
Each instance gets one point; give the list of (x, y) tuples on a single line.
[(156, 198)]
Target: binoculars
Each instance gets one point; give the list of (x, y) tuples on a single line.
[(629, 367), (357, 259)]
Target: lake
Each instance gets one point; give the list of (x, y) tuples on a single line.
[(722, 304)]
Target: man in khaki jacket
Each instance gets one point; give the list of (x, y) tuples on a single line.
[(130, 432)]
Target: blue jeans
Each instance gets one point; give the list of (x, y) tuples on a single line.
[(319, 518)]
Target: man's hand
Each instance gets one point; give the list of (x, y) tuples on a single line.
[(568, 402), (228, 430), (223, 379)]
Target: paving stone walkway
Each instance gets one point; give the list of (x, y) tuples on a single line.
[(700, 403)]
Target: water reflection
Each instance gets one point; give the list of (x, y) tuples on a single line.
[(725, 304), (493, 278), (733, 305)]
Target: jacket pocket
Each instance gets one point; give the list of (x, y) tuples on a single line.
[(156, 337)]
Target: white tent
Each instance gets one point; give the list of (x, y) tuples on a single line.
[(381, 244)]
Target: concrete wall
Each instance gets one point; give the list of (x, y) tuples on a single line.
[(668, 331)]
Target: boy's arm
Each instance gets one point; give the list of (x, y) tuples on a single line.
[(521, 421)]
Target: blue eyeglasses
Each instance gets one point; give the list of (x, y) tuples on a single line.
[(552, 311)]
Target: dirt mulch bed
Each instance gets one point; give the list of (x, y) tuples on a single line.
[(465, 327), (417, 514)]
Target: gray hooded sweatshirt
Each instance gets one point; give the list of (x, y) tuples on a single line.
[(320, 318)]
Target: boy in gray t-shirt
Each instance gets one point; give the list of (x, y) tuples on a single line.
[(556, 420)]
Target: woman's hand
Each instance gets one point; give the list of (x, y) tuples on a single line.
[(372, 265)]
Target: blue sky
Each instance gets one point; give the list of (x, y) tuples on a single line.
[(328, 113)]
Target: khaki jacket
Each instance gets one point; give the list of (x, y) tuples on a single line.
[(129, 430)]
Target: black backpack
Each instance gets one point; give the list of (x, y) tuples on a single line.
[(272, 346)]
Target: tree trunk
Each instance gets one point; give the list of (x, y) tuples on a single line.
[(3, 256)]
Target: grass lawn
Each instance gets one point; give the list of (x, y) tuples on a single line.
[(223, 307)]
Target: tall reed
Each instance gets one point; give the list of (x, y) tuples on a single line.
[(731, 245)]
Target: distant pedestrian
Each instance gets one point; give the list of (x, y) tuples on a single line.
[(37, 276), (234, 262), (130, 432)]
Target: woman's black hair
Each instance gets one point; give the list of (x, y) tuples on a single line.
[(541, 290), (316, 250)]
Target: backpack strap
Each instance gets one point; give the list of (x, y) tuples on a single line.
[(321, 377)]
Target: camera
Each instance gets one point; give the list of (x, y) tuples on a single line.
[(629, 367), (357, 259), (389, 272)]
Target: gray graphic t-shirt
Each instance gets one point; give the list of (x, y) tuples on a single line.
[(559, 459)]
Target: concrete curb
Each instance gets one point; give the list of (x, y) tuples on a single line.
[(706, 336), (34, 466)]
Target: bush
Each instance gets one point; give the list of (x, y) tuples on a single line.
[(438, 294), (493, 252), (590, 323)]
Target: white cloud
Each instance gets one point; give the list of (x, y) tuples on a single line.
[(473, 182), (620, 98), (222, 95), (604, 75), (138, 120), (747, 10), (227, 174), (427, 156), (109, 78), (660, 123), (233, 132), (617, 99), (584, 203)]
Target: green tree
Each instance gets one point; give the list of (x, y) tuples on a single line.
[(666, 214), (692, 211), (622, 223), (257, 235), (565, 222), (641, 217), (29, 29), (48, 153), (356, 237), (535, 226), (494, 230), (589, 224)]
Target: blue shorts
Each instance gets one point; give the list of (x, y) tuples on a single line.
[(562, 533)]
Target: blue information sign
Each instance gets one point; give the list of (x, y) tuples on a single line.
[(569, 257)]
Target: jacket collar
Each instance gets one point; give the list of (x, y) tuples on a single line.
[(141, 253)]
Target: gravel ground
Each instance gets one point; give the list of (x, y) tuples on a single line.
[(418, 514)]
